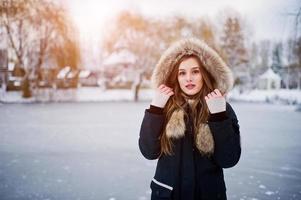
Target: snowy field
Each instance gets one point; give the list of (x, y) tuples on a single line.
[(89, 151)]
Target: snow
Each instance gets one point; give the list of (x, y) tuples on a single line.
[(90, 151), (63, 72), (276, 96), (120, 57), (71, 74), (11, 66), (83, 94), (270, 74), (262, 186), (269, 193), (84, 73), (94, 94)]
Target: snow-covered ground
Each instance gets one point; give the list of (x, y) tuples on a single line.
[(89, 151), (86, 94), (270, 96)]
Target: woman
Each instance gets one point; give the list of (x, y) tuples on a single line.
[(189, 127)]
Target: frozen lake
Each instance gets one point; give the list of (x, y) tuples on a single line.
[(87, 151)]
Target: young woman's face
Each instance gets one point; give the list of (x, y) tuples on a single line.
[(189, 76)]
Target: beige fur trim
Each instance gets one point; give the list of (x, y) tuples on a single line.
[(175, 128), (204, 139)]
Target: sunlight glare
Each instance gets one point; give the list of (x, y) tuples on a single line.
[(90, 15)]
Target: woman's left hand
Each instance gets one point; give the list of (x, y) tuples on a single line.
[(216, 102)]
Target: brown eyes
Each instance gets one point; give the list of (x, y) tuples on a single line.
[(196, 71), (181, 73)]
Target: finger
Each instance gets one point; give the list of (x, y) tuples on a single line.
[(213, 94), (210, 95), (170, 93), (206, 98), (218, 92), (166, 89), (161, 86), (162, 89)]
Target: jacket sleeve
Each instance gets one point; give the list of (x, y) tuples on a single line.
[(150, 131), (226, 134)]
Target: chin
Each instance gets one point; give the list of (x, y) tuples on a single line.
[(190, 93)]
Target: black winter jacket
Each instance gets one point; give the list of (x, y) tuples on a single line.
[(187, 174)]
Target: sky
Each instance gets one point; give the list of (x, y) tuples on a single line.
[(267, 19)]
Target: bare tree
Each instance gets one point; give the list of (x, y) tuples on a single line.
[(136, 35), (14, 20), (35, 31), (294, 52)]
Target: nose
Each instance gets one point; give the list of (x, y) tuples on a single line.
[(189, 77)]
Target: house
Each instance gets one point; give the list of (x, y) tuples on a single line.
[(88, 78), (269, 80), (67, 78), (119, 68), (15, 77)]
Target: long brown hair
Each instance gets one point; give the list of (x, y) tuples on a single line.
[(199, 109)]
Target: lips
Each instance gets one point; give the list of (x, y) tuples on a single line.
[(190, 86)]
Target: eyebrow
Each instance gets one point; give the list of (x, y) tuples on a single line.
[(191, 68)]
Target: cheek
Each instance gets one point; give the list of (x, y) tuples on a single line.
[(180, 81), (200, 80)]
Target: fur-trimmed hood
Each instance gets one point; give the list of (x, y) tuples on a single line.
[(175, 128), (209, 58)]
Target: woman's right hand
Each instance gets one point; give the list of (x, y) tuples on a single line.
[(162, 94)]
